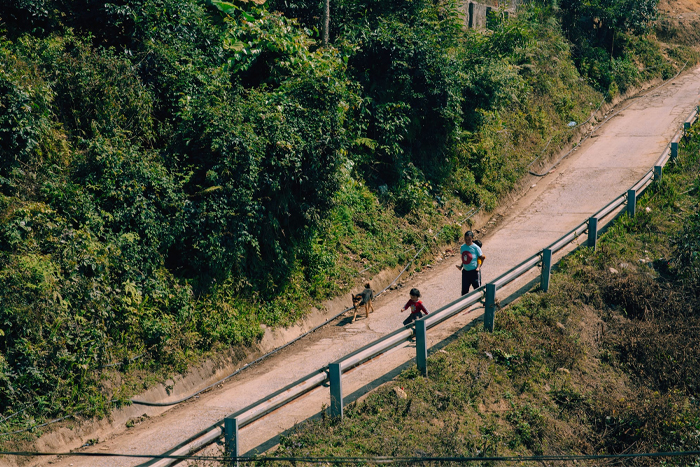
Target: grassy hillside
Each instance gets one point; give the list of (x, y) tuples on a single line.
[(176, 173), (604, 363)]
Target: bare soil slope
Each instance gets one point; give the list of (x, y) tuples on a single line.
[(679, 21)]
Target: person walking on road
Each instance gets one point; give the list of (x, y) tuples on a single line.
[(472, 259), (417, 308)]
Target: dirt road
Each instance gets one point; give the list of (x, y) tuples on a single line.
[(603, 167)]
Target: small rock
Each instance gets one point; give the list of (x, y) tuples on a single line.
[(613, 270), (444, 351), (489, 354), (560, 326), (647, 209), (624, 265), (563, 370), (533, 185), (400, 393)]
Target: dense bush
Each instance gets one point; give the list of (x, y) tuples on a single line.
[(137, 176), (26, 140), (96, 91), (603, 33), (411, 91), (597, 22), (687, 258), (265, 151)]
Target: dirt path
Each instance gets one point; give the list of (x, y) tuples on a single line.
[(605, 166)]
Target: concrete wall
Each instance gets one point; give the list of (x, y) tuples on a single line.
[(475, 13)]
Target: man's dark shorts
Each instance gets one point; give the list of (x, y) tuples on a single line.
[(470, 278)]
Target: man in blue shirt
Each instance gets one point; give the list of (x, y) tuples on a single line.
[(472, 259)]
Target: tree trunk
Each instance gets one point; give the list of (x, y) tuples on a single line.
[(326, 21)]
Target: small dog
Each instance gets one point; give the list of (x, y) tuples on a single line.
[(363, 298)]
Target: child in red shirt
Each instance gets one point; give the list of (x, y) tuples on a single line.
[(417, 308)]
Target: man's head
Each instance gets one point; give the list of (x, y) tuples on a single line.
[(468, 237)]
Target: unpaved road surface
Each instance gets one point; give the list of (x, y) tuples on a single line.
[(604, 166)]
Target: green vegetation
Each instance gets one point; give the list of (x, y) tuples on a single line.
[(175, 173), (605, 362), (611, 45)]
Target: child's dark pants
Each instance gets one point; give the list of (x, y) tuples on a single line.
[(411, 318)]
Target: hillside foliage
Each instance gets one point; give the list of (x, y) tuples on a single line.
[(176, 173)]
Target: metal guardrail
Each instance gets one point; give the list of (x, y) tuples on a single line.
[(333, 372)]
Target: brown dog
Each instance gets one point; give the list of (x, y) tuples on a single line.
[(363, 298)]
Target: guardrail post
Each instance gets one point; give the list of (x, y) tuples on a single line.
[(231, 439), (631, 202), (592, 232), (546, 269), (686, 127), (658, 173), (674, 151), (490, 305), (336, 389), (421, 347)]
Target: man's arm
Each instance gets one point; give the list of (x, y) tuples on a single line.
[(480, 261)]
